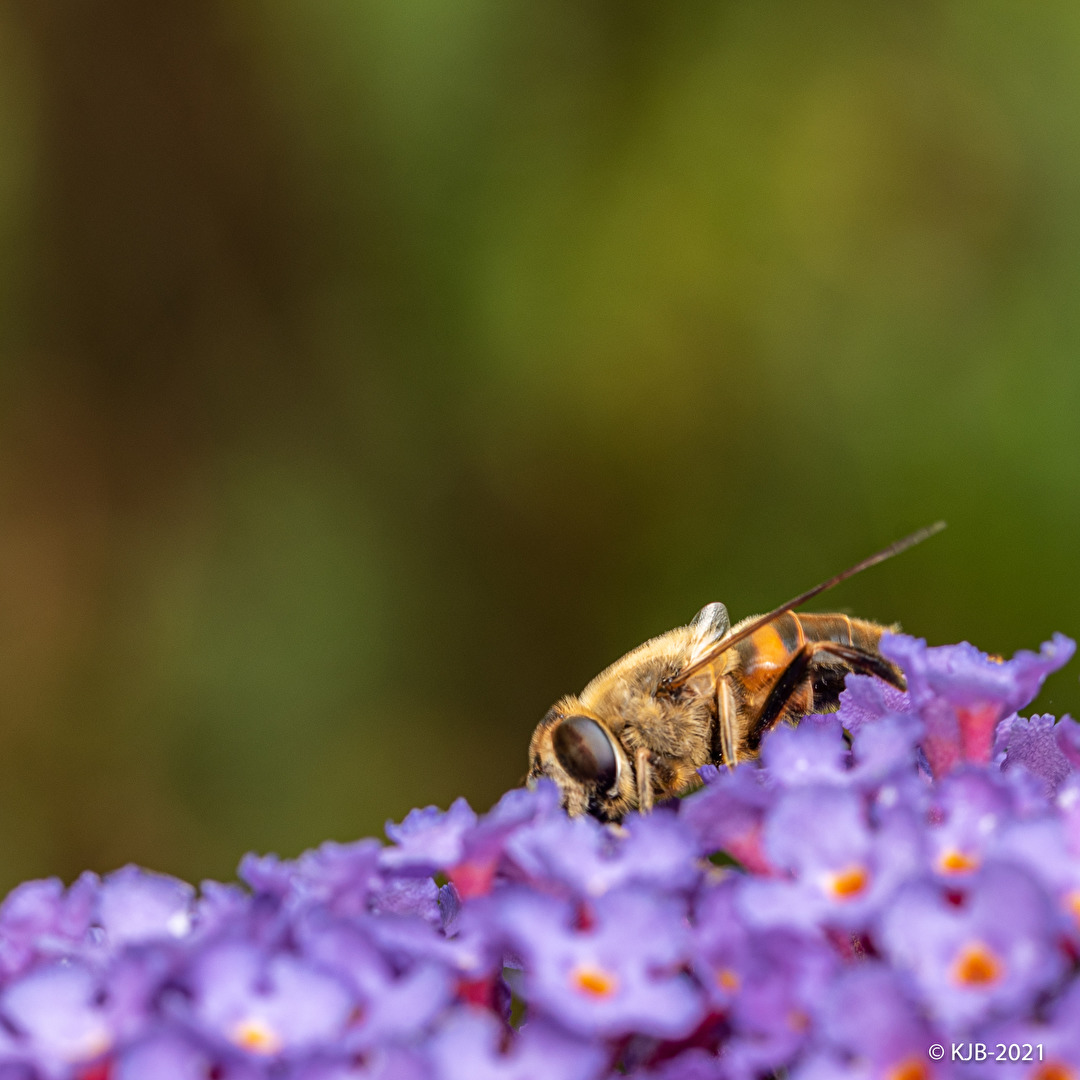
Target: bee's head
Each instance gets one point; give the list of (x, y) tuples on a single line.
[(577, 750)]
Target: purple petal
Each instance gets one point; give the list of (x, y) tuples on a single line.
[(1033, 744), (173, 1055), (468, 1048), (135, 905), (813, 752), (429, 840), (60, 1011), (267, 1005)]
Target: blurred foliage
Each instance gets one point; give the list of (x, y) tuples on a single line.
[(374, 373)]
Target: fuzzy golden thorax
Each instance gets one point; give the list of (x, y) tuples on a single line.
[(674, 733)]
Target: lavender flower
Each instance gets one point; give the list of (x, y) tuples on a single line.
[(472, 1046), (169, 1054), (613, 972), (428, 840), (839, 868), (265, 1003), (134, 906), (905, 872), (391, 1002), (1035, 745), (868, 1017), (657, 851), (975, 953), (39, 919), (61, 1018), (962, 693)]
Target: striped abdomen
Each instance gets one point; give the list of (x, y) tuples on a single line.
[(763, 658)]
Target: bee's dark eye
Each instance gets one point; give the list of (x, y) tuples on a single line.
[(584, 750)]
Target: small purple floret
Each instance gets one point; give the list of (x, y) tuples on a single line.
[(961, 693), (266, 1004), (429, 840), (616, 972), (1033, 743), (136, 906), (470, 1047), (978, 952)]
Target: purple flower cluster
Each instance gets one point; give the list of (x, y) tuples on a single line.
[(901, 874)]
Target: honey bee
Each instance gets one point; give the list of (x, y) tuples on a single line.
[(701, 694)]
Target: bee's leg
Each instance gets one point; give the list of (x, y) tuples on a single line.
[(862, 662), (798, 670), (725, 717), (791, 678), (643, 771)]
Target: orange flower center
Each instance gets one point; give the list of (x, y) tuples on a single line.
[(848, 883), (727, 979), (1053, 1070), (257, 1036), (977, 965), (954, 861), (911, 1069), (594, 981), (1072, 902), (94, 1043)]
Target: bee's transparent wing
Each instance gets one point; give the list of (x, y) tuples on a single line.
[(709, 625)]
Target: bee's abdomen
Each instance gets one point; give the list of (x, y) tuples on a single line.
[(828, 677), (772, 645), (765, 653), (839, 628)]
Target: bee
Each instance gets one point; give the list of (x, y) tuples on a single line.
[(701, 694)]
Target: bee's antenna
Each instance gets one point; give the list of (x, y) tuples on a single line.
[(743, 632)]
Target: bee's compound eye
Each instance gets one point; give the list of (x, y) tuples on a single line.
[(584, 750)]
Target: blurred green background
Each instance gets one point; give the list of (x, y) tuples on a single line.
[(374, 373)]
